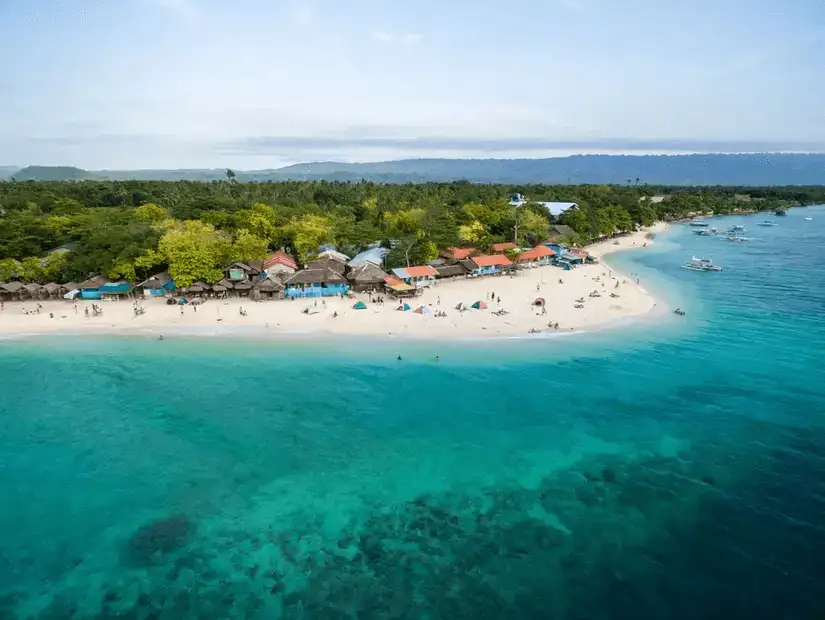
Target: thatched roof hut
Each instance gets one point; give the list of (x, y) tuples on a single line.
[(328, 262), (243, 285), (69, 286), (367, 275), (269, 285), (199, 287), (156, 281), (223, 286), (312, 276), (94, 282), (456, 270), (33, 288), (52, 288), (13, 287)]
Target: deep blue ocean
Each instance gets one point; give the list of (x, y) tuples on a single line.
[(669, 469)]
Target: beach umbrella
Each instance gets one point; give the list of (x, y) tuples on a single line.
[(359, 306), (422, 310), (539, 301), (403, 307), (479, 305), (461, 306)]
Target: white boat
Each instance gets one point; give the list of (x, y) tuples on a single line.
[(809, 219), (706, 232), (736, 229), (767, 223), (698, 224), (701, 264)]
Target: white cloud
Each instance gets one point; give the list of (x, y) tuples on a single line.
[(412, 38), (384, 37)]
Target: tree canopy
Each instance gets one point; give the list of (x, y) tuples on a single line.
[(125, 229)]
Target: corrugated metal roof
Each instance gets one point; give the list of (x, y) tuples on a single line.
[(372, 255)]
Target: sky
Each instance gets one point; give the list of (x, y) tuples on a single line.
[(253, 84)]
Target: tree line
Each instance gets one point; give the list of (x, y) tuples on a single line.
[(129, 229)]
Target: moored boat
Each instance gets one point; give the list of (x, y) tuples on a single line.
[(781, 211), (701, 264), (766, 223), (698, 224), (736, 229)]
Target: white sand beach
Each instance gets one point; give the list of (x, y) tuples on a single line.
[(559, 288)]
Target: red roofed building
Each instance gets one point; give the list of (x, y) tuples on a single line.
[(540, 254), (501, 247), (280, 263), (491, 260), (456, 254)]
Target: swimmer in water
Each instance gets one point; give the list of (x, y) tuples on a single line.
[(399, 358)]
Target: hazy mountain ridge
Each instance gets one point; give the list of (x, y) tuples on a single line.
[(707, 169)]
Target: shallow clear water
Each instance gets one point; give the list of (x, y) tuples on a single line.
[(674, 470)]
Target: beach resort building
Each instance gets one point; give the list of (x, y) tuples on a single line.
[(319, 281), (539, 255), (366, 276), (452, 254), (280, 264), (498, 248), (487, 264), (158, 285), (420, 276), (553, 208)]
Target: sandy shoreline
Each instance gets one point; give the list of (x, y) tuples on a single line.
[(285, 318)]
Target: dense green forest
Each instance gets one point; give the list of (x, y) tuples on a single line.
[(128, 229)]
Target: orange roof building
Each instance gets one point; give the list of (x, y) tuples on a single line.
[(280, 258), (458, 253), (537, 253), (501, 247), (491, 260)]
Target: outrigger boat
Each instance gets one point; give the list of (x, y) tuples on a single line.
[(701, 264), (706, 232), (698, 224)]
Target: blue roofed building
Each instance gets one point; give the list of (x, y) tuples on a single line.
[(374, 255)]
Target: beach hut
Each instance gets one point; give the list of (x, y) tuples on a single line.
[(422, 310), (237, 272), (399, 288), (324, 282), (90, 289), (328, 261), (14, 290), (455, 270), (419, 276), (360, 305), (366, 276), (489, 264), (328, 252), (52, 289), (223, 287), (158, 285), (33, 289), (114, 290), (269, 287), (479, 305), (244, 287), (539, 255), (404, 307)]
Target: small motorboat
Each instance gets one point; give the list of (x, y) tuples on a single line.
[(701, 264), (809, 219), (767, 223), (699, 224)]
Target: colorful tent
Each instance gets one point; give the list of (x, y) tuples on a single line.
[(404, 307), (422, 310), (359, 306), (479, 305), (539, 301)]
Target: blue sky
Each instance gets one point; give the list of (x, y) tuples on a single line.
[(258, 84)]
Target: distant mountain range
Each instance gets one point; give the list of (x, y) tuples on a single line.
[(710, 169)]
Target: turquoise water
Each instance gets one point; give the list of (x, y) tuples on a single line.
[(672, 470)]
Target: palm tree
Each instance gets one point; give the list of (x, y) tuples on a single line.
[(230, 175)]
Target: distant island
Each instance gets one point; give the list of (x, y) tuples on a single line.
[(756, 170)]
